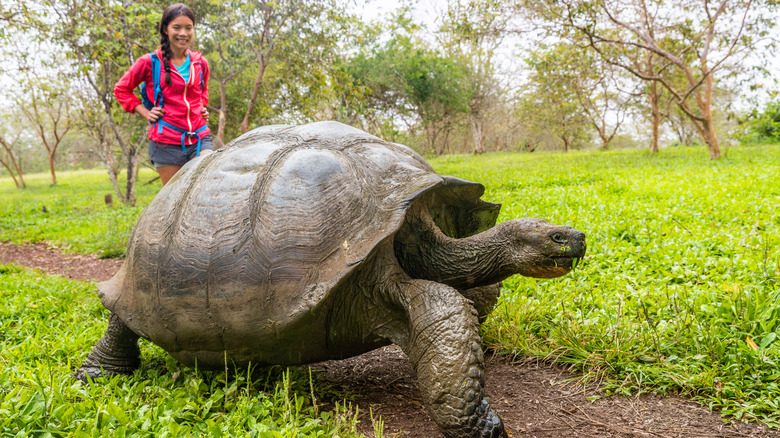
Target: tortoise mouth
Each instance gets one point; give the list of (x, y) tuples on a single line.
[(553, 267), (569, 262)]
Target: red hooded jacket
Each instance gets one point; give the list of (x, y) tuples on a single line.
[(182, 101)]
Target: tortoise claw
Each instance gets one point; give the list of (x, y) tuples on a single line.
[(92, 371)]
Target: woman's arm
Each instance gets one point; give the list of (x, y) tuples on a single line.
[(206, 73), (124, 89), (205, 92)]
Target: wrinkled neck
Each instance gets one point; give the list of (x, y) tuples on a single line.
[(427, 253)]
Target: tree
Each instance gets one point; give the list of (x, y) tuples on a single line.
[(691, 39), (765, 124), (271, 61), (551, 101), (48, 111), (9, 158), (99, 37), (474, 30), (226, 46), (593, 84), (407, 81), (272, 27)]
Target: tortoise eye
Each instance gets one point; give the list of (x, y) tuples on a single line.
[(558, 238)]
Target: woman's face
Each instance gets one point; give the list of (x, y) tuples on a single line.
[(180, 31)]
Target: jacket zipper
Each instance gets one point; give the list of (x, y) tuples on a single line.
[(189, 123), (184, 96)]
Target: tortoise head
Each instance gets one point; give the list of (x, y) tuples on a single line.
[(539, 249)]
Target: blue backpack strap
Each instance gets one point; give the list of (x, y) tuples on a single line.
[(156, 88), (158, 97), (148, 104)]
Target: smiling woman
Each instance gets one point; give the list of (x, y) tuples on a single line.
[(175, 106)]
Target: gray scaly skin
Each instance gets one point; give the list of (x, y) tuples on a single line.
[(530, 247), (116, 353), (473, 265)]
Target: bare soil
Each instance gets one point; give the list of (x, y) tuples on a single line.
[(534, 400), (44, 258)]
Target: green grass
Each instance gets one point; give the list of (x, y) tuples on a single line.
[(679, 291), (47, 326), (77, 218)]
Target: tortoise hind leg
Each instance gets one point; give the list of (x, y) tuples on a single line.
[(443, 344), (115, 353)]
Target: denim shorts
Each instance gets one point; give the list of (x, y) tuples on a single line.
[(164, 154)]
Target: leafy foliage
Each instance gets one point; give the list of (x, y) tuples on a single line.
[(271, 61), (764, 125), (403, 78), (550, 103), (47, 326)]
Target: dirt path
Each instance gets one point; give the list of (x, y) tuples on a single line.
[(533, 400), (76, 267)]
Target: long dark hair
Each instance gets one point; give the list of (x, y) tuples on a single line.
[(171, 12)]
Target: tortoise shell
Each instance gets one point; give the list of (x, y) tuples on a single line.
[(240, 254)]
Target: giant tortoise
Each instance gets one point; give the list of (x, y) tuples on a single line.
[(294, 245)]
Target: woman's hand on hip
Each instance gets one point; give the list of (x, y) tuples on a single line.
[(154, 114)]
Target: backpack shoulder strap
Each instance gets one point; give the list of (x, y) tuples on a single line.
[(158, 98), (197, 58)]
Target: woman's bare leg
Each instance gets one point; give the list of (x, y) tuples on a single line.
[(167, 172)]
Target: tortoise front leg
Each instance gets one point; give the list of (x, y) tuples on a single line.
[(443, 344), (484, 298), (115, 353)]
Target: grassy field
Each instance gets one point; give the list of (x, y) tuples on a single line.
[(47, 324), (679, 293), (76, 217)]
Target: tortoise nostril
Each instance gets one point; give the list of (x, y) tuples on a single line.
[(558, 238)]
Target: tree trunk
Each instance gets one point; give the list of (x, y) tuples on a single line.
[(112, 172), (601, 128), (253, 100), (432, 136), (13, 175), (51, 169), (476, 132), (132, 168), (219, 141), (652, 97), (711, 138), (17, 166)]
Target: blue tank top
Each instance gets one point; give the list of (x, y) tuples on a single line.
[(184, 69)]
